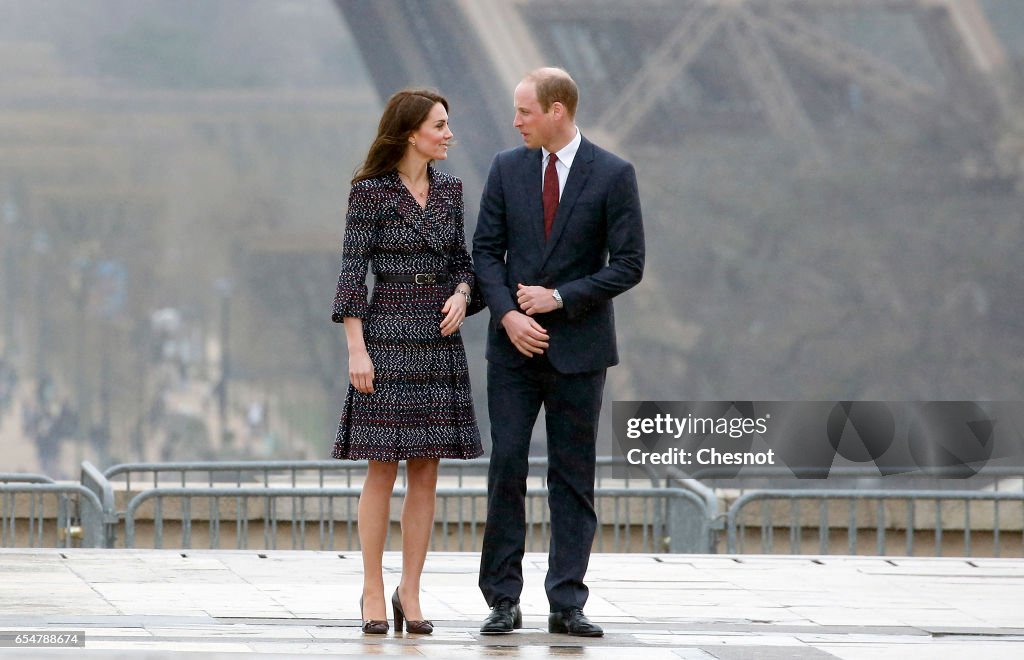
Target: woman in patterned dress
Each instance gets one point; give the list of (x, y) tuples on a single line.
[(409, 397)]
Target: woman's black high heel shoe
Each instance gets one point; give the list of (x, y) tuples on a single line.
[(372, 626), (423, 627)]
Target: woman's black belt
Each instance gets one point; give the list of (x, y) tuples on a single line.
[(413, 278)]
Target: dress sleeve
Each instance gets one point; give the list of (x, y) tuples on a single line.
[(461, 266), (360, 235)]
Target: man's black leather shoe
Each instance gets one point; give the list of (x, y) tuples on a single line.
[(505, 617), (573, 622)]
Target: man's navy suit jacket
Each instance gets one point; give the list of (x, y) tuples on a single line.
[(594, 253)]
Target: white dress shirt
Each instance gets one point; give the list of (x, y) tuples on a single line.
[(564, 163)]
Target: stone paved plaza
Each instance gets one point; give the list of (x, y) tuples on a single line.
[(196, 603)]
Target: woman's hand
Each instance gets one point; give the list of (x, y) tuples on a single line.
[(454, 311), (360, 371)]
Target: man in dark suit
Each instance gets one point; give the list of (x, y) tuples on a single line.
[(559, 235)]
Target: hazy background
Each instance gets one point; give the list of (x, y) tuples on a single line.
[(173, 181)]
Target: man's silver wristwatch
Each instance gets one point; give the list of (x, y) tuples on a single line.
[(469, 298), (558, 299)]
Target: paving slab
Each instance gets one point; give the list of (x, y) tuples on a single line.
[(225, 603)]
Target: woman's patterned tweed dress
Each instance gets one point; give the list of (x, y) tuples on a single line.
[(422, 406)]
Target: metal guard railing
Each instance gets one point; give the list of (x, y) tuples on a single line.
[(669, 518), (76, 512), (735, 527), (249, 472), (678, 515)]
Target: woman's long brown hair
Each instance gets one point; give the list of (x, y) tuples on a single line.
[(403, 114)]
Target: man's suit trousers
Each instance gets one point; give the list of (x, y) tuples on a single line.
[(572, 404)]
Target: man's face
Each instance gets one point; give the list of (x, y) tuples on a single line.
[(535, 125)]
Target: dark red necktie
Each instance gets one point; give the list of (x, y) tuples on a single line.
[(550, 194)]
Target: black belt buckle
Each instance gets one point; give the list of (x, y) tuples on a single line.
[(425, 278)]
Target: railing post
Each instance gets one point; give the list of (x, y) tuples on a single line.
[(100, 526), (688, 526)]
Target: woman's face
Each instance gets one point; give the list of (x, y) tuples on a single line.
[(432, 137)]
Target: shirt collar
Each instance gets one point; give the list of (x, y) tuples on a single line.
[(567, 153)]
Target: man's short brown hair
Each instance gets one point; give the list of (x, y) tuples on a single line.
[(554, 84)]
